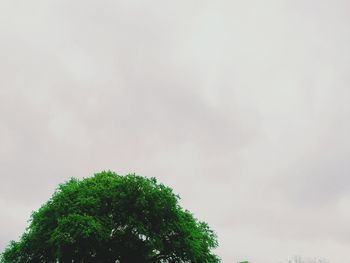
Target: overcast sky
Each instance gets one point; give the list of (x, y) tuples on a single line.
[(242, 107)]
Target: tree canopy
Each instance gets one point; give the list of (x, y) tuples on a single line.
[(112, 218)]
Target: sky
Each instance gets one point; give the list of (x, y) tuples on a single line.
[(242, 107)]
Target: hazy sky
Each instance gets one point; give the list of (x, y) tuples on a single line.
[(242, 107)]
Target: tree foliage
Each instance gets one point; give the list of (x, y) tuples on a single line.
[(112, 218), (299, 259)]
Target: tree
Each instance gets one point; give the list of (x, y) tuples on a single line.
[(298, 259), (111, 218)]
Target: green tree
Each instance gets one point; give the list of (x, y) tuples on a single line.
[(112, 218)]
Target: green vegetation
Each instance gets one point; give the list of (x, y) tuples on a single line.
[(111, 218)]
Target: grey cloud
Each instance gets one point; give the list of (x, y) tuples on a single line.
[(240, 107)]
